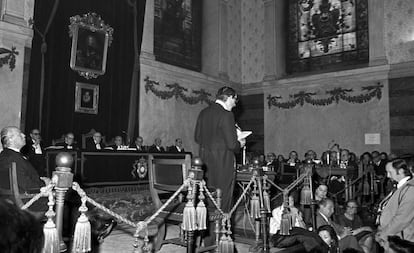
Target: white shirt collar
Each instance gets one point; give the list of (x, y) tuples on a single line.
[(223, 104), (324, 217), (402, 182), (14, 149)]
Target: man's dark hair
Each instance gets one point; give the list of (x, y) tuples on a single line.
[(401, 164), (20, 231), (400, 245), (224, 92)]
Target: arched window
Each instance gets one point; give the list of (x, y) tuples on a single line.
[(326, 34)]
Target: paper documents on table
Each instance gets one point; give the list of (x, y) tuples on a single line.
[(242, 134)]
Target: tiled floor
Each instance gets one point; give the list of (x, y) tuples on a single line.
[(121, 241)]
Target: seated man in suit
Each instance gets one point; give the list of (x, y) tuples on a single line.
[(178, 147), (69, 143), (156, 147), (28, 179), (139, 144), (118, 143), (34, 151), (345, 234), (96, 143)]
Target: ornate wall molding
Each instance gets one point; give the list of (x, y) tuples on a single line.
[(9, 58), (177, 91), (335, 95)]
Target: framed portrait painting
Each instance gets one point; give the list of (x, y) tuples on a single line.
[(86, 98), (90, 44)]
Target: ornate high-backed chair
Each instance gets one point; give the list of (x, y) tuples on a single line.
[(89, 135), (166, 175)]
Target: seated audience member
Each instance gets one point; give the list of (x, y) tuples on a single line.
[(329, 236), (178, 147), (310, 155), (34, 152), (118, 143), (20, 231), (28, 179), (351, 219), (309, 240), (293, 158), (324, 217), (139, 144), (271, 162), (156, 147), (96, 143), (396, 213), (321, 192), (69, 143), (398, 245), (295, 214)]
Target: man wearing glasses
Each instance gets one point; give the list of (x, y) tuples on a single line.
[(34, 152), (215, 132)]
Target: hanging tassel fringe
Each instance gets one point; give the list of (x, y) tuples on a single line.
[(223, 244), (230, 243), (189, 217), (51, 241), (82, 236), (255, 207), (266, 201), (285, 224), (51, 235), (201, 211)]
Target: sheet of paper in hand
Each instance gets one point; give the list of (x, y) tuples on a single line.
[(242, 134)]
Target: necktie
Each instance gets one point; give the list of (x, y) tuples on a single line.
[(384, 203)]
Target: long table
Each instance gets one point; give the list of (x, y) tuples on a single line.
[(106, 168)]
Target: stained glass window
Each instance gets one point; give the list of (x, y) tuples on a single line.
[(326, 34)]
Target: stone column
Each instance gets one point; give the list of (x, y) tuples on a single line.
[(376, 33), (222, 46), (275, 37), (15, 38), (147, 46)]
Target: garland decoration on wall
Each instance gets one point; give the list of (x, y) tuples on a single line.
[(335, 95), (177, 91), (10, 57)]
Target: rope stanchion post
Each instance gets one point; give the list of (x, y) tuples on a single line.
[(63, 179)]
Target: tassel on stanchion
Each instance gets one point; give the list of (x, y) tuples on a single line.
[(230, 243), (51, 235), (201, 210), (255, 203), (223, 244), (306, 194), (82, 236), (189, 213), (285, 223), (266, 201)]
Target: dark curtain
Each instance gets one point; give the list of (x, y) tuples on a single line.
[(58, 116)]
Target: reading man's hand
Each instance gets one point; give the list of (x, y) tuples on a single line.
[(242, 143)]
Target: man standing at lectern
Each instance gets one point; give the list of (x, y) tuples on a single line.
[(216, 134)]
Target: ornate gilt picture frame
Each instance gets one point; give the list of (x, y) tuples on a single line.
[(91, 38), (86, 98)]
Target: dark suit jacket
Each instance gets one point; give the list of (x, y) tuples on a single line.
[(37, 160), (27, 177), (380, 168), (90, 145), (174, 149), (215, 132), (153, 149), (139, 148)]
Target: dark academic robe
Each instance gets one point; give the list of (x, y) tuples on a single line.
[(174, 149), (153, 149), (91, 146), (27, 177), (37, 160), (216, 134)]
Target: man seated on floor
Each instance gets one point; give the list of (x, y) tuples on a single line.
[(310, 241), (345, 235)]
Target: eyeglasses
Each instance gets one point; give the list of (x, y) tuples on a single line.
[(354, 207), (36, 133)]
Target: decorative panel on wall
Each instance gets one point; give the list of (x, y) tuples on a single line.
[(402, 115), (326, 34), (177, 32)]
